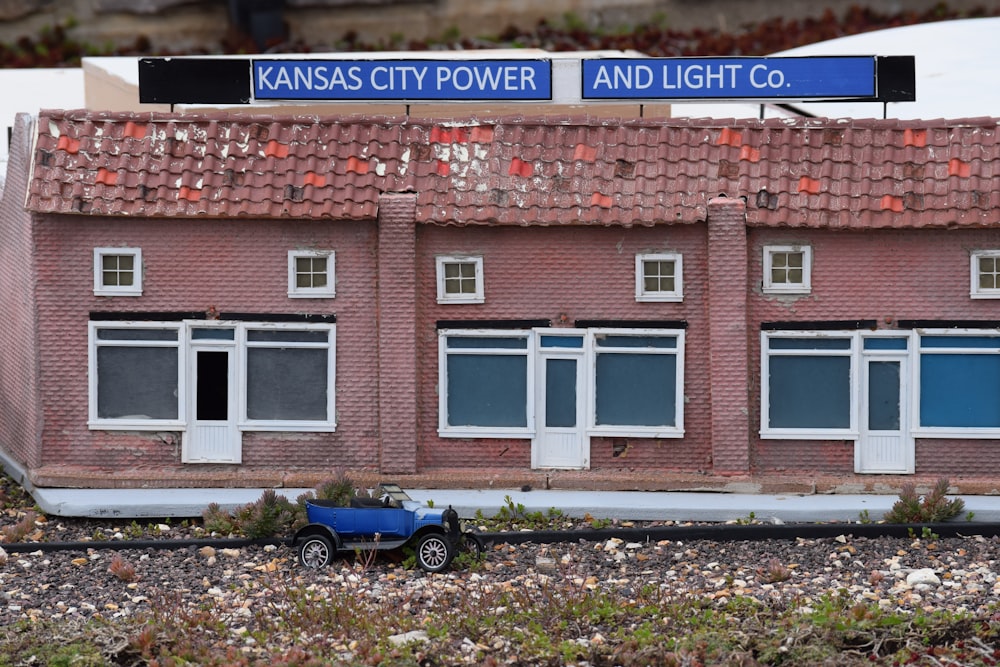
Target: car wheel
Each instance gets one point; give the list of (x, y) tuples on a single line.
[(434, 552), (472, 545), (316, 551)]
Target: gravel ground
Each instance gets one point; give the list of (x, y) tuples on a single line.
[(119, 584), (952, 573)]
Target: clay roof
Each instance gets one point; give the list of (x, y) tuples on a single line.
[(517, 171)]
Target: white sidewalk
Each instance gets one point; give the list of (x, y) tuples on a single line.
[(637, 505)]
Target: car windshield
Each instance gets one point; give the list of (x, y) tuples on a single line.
[(394, 492)]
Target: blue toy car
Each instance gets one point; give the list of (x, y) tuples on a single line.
[(389, 520)]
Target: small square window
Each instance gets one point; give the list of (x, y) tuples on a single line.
[(658, 277), (460, 280), (787, 269), (117, 271), (311, 274), (985, 280)]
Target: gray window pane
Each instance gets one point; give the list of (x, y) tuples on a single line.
[(287, 384), (560, 392), (137, 382), (636, 389), (137, 334), (287, 336), (883, 395), (810, 392), (213, 333), (487, 390)]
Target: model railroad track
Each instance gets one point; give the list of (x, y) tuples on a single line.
[(710, 532)]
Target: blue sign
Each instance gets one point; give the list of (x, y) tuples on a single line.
[(729, 78), (402, 80)]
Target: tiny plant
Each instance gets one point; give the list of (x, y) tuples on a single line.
[(775, 571), (122, 569), (20, 530), (933, 507), (340, 489)]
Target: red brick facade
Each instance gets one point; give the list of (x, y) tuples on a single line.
[(576, 274)]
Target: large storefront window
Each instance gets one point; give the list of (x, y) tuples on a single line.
[(960, 383), (485, 379), (631, 385), (635, 380), (280, 376)]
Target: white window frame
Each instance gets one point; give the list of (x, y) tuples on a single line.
[(95, 422), (674, 295), (533, 352), (853, 352), (184, 342), (624, 431), (328, 425), (805, 287), (975, 291), (328, 291), (479, 296), (100, 289), (446, 430)]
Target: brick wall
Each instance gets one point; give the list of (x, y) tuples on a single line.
[(19, 414), (562, 275), (197, 265), (559, 275), (881, 275), (727, 321), (397, 378)]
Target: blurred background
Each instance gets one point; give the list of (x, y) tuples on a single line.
[(58, 33)]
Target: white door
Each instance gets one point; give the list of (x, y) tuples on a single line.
[(885, 444), (212, 435), (560, 436)]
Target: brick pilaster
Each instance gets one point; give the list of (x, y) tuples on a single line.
[(727, 316), (397, 333)]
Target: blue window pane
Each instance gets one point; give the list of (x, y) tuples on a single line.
[(562, 341), (989, 342), (809, 392), (960, 390), (467, 342), (560, 392), (883, 396), (810, 343), (664, 342), (213, 333), (885, 343), (487, 390), (636, 390)]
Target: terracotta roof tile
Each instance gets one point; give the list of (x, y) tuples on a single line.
[(809, 172)]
